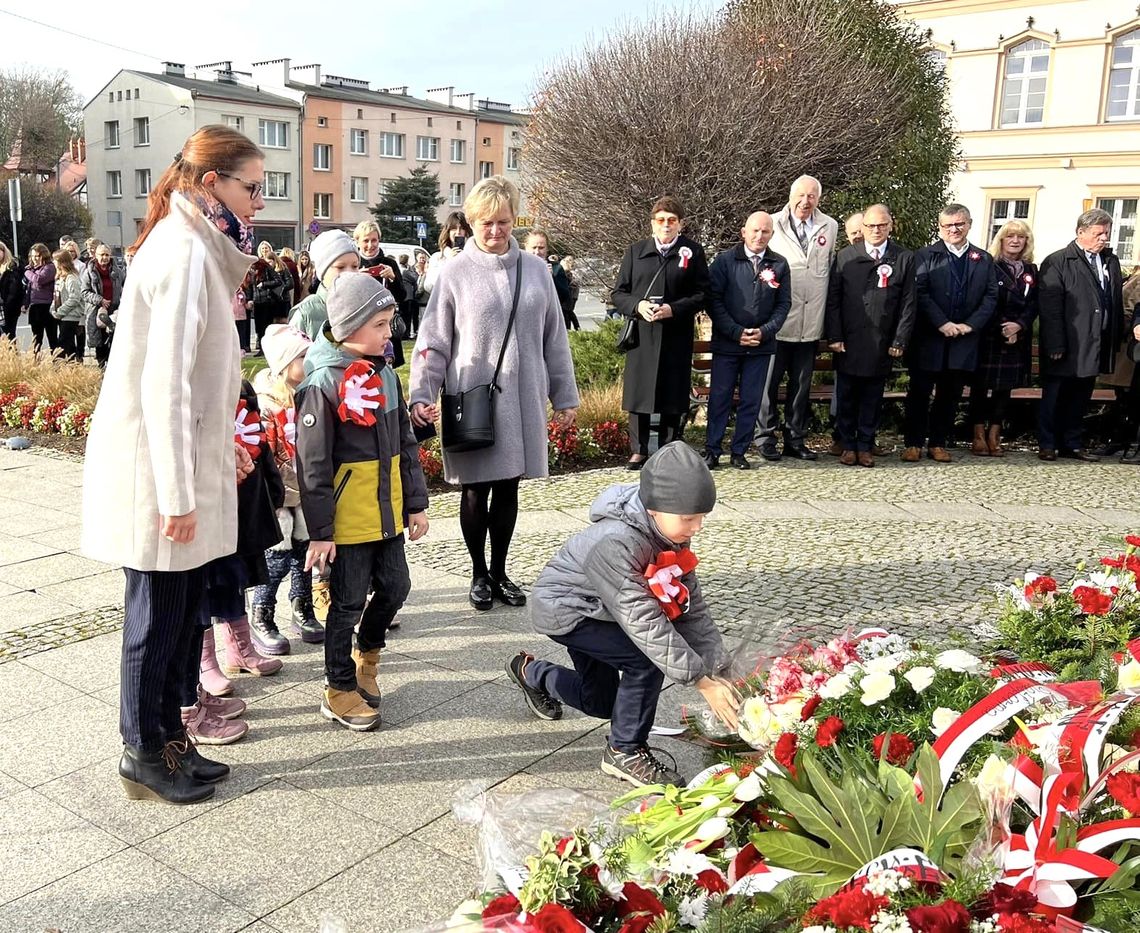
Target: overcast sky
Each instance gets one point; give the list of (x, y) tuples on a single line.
[(496, 48)]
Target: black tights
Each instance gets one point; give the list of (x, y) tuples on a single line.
[(989, 410), (489, 507), (668, 430)]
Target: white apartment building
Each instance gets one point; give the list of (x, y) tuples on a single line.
[(139, 121), (1046, 98)]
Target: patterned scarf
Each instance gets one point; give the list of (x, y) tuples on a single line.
[(225, 220)]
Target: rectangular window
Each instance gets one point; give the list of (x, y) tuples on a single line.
[(392, 145), (513, 159), (486, 140), (276, 186), (1123, 211), (456, 199), (142, 131), (358, 142), (322, 206), (128, 93), (142, 182), (233, 122), (458, 150), (322, 121), (110, 97), (382, 188), (358, 189), (359, 113), (486, 169), (120, 93), (114, 184), (111, 134), (1124, 78), (427, 148), (136, 93), (1023, 91), (322, 157), (273, 134), (1005, 209)]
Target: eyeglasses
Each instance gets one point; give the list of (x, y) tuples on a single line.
[(957, 225), (877, 226), (666, 221), (252, 187)]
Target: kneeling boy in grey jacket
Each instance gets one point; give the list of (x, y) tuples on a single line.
[(623, 598)]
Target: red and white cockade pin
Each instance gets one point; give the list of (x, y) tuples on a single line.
[(686, 254), (822, 240), (1028, 280), (768, 277), (975, 256), (885, 272), (247, 429)]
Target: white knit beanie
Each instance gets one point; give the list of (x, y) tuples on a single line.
[(282, 344)]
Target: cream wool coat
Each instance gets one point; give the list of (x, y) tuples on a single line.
[(161, 439), (810, 272)]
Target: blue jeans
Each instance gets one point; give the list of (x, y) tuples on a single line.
[(728, 371), (612, 679)]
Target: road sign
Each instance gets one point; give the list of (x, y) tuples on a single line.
[(402, 218), (421, 231), (314, 228)]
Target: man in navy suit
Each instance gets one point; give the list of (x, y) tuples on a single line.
[(750, 292), (957, 294)]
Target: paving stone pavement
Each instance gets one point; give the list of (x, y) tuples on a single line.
[(319, 822)]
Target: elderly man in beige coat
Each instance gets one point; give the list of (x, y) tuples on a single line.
[(807, 238)]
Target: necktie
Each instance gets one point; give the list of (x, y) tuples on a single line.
[(1096, 269), (876, 254), (802, 236), (756, 265)]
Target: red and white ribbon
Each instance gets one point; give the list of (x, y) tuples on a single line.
[(664, 576), (286, 421), (885, 272), (360, 393), (686, 254), (247, 429)]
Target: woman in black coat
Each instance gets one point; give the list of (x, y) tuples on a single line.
[(661, 286), (1005, 359), (11, 291)]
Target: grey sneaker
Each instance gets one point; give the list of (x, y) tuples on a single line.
[(640, 768), (541, 703)]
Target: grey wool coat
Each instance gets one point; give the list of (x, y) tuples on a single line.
[(461, 331), (600, 574)]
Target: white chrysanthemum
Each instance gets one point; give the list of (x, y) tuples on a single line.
[(957, 660), (838, 686), (942, 719), (920, 677), (758, 727), (692, 910), (682, 861), (876, 688)]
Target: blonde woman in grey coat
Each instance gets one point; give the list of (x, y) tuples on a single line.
[(458, 345)]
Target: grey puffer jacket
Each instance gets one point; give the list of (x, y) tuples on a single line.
[(600, 574)]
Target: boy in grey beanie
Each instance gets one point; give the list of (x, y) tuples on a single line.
[(622, 596), (333, 253)]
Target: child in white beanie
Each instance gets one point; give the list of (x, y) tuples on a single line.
[(333, 253), (285, 348)]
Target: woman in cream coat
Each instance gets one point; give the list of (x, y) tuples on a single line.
[(160, 496)]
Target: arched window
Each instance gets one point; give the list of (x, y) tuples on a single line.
[(1124, 78), (1023, 91)]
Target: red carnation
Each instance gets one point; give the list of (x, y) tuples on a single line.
[(1039, 586), (785, 751), (1020, 923), (505, 905), (712, 881), (1132, 540), (809, 709), (564, 845), (1093, 602), (899, 750), (852, 908), (947, 917), (554, 918), (1004, 898), (1124, 788), (828, 731)]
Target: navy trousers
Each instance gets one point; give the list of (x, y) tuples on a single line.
[(860, 407), (1064, 401), (162, 641), (612, 679), (379, 566), (728, 371), (927, 423)]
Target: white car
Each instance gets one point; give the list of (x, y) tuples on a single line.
[(396, 250)]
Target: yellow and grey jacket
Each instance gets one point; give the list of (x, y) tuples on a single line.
[(358, 482)]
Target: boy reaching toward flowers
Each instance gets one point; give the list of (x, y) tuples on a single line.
[(622, 597), (361, 485)]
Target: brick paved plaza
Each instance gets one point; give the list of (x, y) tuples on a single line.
[(319, 821)]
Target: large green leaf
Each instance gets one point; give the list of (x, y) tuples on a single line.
[(944, 823)]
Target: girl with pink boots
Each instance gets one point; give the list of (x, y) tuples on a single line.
[(210, 717)]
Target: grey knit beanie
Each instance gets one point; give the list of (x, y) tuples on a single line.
[(328, 248), (676, 480), (353, 301)]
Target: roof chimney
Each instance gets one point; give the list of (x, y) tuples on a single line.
[(306, 74), (464, 101), (402, 90), (273, 73), (174, 69), (441, 95)]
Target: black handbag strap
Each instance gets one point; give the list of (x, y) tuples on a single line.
[(653, 281), (510, 324)]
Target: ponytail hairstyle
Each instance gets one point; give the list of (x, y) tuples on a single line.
[(212, 148), (64, 261)]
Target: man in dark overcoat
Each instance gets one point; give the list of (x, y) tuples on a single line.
[(661, 286), (956, 290), (1082, 319), (870, 317), (750, 292)]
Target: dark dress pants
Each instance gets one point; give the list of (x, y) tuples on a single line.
[(797, 361), (162, 639), (668, 430), (1064, 402), (728, 371), (612, 679), (860, 405), (932, 423)]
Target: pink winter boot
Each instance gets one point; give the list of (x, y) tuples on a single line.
[(241, 656), (213, 680), (204, 728), (224, 708)]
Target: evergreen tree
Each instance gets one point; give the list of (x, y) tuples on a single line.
[(416, 195)]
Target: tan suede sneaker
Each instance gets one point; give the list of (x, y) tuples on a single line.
[(349, 709), (366, 686)]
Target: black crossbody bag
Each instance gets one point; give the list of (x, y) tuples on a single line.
[(630, 337), (468, 418)]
